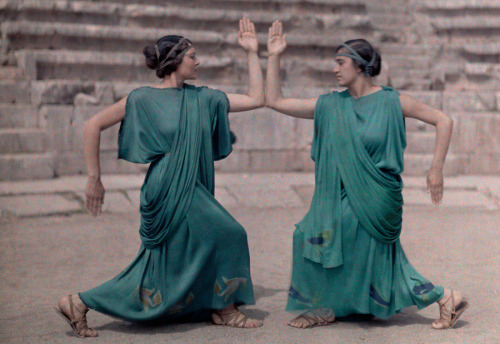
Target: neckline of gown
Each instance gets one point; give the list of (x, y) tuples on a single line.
[(366, 95)]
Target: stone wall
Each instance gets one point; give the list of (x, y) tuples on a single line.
[(62, 61)]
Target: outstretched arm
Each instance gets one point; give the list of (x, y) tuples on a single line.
[(414, 109), (276, 45), (94, 190), (247, 39)]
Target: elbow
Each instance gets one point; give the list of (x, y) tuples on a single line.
[(261, 102), (271, 103)]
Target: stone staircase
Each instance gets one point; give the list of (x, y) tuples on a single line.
[(63, 61)]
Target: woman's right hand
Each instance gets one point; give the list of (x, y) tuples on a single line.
[(276, 43), (94, 195)]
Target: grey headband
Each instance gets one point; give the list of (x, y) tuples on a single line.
[(165, 61), (355, 56)]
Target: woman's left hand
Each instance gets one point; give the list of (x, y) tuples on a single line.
[(246, 36), (435, 185)]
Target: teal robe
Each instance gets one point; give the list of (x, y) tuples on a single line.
[(346, 251), (194, 255)]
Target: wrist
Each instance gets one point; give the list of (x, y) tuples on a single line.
[(94, 177)]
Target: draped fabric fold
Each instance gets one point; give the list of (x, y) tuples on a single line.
[(345, 169), (164, 209)]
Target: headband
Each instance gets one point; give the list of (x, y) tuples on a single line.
[(165, 61), (355, 56)]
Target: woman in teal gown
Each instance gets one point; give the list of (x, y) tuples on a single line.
[(347, 257), (194, 256)]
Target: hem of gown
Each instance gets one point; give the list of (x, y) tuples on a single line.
[(376, 314), (191, 314)]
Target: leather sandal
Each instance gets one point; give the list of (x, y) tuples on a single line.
[(234, 319), (448, 317), (314, 318), (79, 326)]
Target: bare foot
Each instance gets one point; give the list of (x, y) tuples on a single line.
[(231, 316), (312, 318), (74, 311), (451, 307)]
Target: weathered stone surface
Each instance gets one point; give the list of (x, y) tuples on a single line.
[(15, 91), (22, 141), (431, 98), (263, 129), (109, 137), (58, 91), (305, 133), (469, 100), (26, 166), (56, 120), (479, 133), (419, 164), (420, 142), (18, 116), (483, 164), (35, 205)]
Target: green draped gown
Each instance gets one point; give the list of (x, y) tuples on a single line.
[(194, 255), (346, 251)]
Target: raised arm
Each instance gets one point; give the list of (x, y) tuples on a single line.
[(247, 39), (414, 109), (94, 190), (302, 108)]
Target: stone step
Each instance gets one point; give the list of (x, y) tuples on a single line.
[(24, 140), (18, 116), (419, 164), (13, 91), (406, 51), (245, 5), (420, 142), (92, 65), (466, 23), (66, 36), (490, 47), (459, 5), (26, 166), (10, 73), (175, 15)]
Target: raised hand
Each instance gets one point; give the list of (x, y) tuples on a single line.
[(247, 38), (94, 195), (276, 43)]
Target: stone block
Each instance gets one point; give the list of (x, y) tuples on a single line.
[(483, 164), (15, 91), (38, 205), (22, 141), (478, 133), (57, 121), (18, 116), (135, 198), (69, 163), (237, 161), (431, 98), (109, 137), (468, 100), (305, 133), (419, 164), (273, 160), (303, 161), (26, 166), (263, 129), (420, 142), (110, 164), (58, 91)]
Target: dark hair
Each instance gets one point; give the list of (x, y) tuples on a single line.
[(165, 44), (366, 51)]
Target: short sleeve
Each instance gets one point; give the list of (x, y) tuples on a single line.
[(222, 138), (137, 141)]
